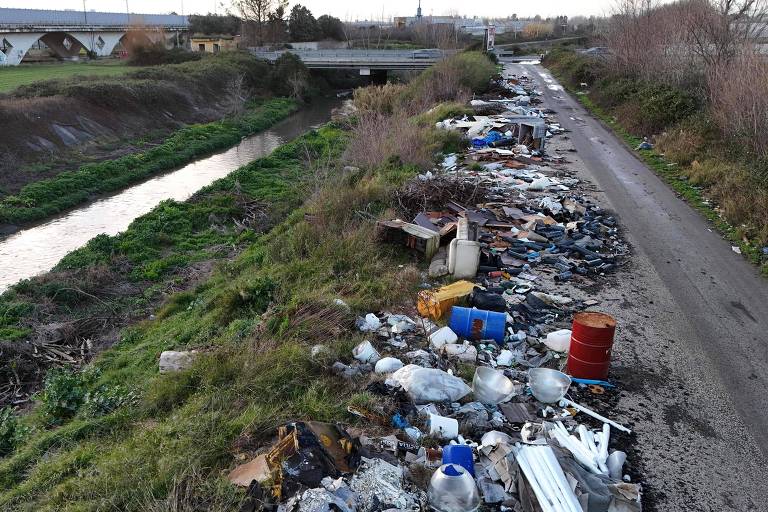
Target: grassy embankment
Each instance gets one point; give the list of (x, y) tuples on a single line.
[(47, 197), (119, 435), (12, 77), (716, 174)]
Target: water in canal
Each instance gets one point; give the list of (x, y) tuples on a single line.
[(37, 249)]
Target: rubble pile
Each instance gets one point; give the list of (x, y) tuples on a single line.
[(477, 398)]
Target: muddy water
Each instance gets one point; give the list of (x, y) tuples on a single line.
[(37, 249)]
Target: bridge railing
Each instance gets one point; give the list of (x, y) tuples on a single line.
[(373, 55)]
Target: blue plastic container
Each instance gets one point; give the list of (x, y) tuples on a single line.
[(478, 324), (460, 454)]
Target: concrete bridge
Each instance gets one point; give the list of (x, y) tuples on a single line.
[(368, 62), (67, 32)]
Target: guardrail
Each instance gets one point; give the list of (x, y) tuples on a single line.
[(372, 55)]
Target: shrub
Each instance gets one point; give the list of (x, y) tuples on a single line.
[(11, 431), (454, 78), (378, 138), (106, 399), (67, 392), (290, 77), (63, 393), (384, 99), (154, 54)]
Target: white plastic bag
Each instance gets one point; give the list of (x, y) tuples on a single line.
[(425, 385)]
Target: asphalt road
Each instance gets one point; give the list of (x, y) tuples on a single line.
[(692, 349)]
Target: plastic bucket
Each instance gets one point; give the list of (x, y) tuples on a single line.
[(460, 454), (589, 356), (478, 324)]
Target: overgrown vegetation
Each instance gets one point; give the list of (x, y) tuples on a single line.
[(693, 154), (45, 198), (156, 53), (254, 320), (151, 85)]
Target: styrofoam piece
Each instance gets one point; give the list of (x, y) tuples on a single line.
[(559, 341), (442, 336), (504, 358), (463, 351), (388, 365)]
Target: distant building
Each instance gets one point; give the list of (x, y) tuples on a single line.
[(213, 44), (474, 26)]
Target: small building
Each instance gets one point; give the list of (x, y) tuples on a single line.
[(213, 44)]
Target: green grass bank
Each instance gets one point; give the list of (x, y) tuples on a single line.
[(12, 77)]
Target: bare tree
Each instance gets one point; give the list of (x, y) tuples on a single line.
[(719, 28), (258, 12)]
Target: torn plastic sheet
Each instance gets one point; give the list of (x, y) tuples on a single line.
[(379, 486), (425, 385)]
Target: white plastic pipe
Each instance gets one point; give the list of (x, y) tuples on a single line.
[(567, 491), (578, 452), (533, 481), (604, 440), (548, 468), (565, 402), (543, 477), (549, 474)]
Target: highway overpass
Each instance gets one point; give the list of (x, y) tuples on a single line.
[(67, 32)]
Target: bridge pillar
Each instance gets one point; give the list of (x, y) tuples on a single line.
[(63, 44), (100, 43), (15, 46)]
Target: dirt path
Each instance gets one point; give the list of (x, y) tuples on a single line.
[(693, 320)]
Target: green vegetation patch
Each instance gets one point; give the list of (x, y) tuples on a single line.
[(12, 77)]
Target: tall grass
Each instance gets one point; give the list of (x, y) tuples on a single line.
[(387, 126)]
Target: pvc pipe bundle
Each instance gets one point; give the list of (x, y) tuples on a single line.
[(590, 448), (584, 451), (547, 479)]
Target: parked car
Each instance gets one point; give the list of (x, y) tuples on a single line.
[(427, 53)]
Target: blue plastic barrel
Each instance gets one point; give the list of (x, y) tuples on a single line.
[(460, 454), (478, 324)]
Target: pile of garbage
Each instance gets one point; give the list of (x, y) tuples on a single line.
[(484, 395)]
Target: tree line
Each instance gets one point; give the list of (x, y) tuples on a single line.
[(263, 22)]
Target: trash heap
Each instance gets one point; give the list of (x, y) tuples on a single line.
[(487, 394)]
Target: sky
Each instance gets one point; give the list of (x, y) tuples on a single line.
[(344, 9)]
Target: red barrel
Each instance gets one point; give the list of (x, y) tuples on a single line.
[(591, 341)]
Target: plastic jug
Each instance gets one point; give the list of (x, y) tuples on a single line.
[(460, 454)]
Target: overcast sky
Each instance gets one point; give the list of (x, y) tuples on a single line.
[(344, 9)]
